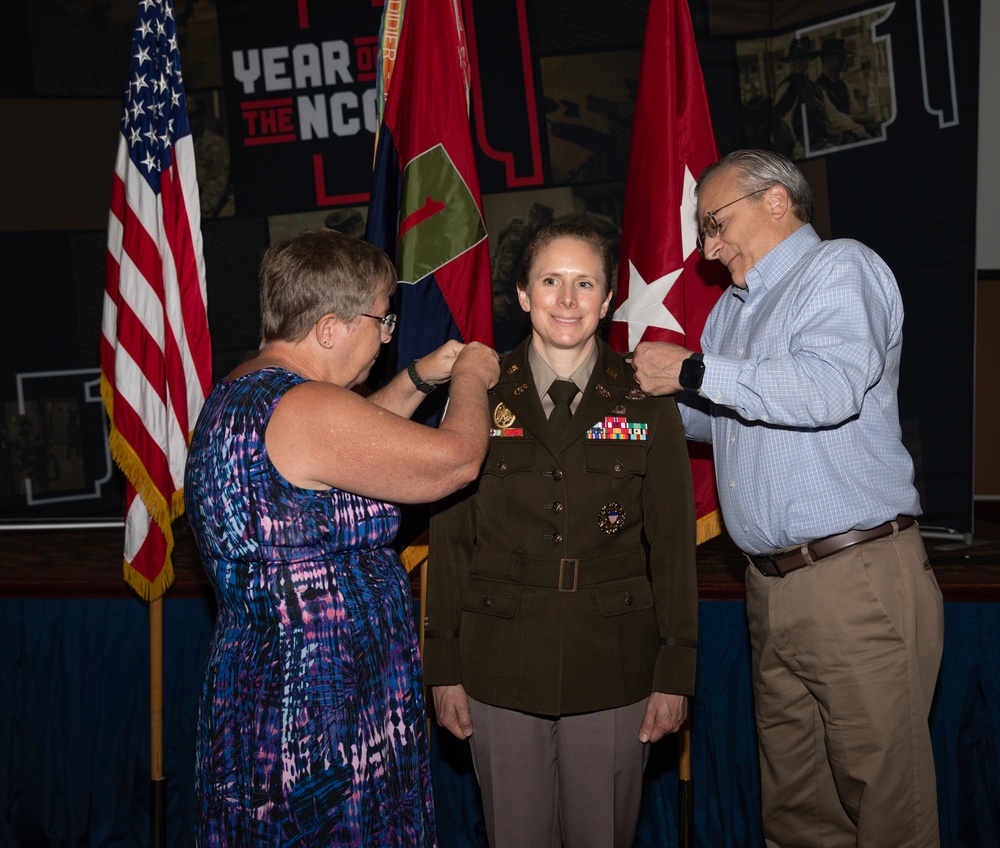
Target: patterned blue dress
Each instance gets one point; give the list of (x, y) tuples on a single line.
[(311, 729)]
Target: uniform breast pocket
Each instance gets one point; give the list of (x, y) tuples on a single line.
[(508, 465), (615, 458), (508, 456)]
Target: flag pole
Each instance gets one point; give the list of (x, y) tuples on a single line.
[(158, 785), (664, 293), (156, 352), (685, 817)]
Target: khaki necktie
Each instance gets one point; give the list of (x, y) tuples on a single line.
[(562, 393)]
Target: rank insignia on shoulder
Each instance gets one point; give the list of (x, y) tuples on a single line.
[(612, 518), (635, 394), (502, 416), (506, 433)]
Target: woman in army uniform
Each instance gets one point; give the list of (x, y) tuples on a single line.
[(562, 596)]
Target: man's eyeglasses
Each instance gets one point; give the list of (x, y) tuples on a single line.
[(710, 226), (388, 322)]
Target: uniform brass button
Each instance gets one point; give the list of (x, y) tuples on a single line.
[(502, 465), (557, 507), (556, 538), (628, 600), (487, 601), (619, 467), (557, 475)]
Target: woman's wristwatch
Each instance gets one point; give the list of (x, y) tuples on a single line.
[(426, 388)]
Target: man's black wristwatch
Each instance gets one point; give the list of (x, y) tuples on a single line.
[(426, 388), (692, 372)]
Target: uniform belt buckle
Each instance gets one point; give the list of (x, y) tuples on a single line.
[(564, 565)]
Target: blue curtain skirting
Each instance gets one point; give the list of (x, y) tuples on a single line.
[(74, 731)]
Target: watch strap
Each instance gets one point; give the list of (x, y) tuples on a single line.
[(692, 372), (426, 388)]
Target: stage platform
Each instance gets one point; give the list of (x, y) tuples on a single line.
[(86, 563), (75, 753)]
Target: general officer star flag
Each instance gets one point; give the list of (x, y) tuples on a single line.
[(664, 289)]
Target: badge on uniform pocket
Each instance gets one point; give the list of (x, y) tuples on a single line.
[(612, 518)]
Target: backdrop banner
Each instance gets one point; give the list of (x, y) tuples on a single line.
[(877, 103)]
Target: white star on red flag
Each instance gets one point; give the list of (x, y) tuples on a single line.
[(671, 144), (689, 215), (645, 305)]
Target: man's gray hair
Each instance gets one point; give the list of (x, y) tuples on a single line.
[(758, 169)]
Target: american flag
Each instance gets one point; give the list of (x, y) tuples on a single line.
[(155, 346)]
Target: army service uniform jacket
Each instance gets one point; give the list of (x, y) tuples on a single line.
[(564, 581)]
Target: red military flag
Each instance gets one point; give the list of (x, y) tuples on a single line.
[(156, 359), (425, 209), (664, 293)]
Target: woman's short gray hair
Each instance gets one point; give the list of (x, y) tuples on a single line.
[(760, 169), (317, 272)]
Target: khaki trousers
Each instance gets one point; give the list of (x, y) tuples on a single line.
[(845, 656), (574, 781)]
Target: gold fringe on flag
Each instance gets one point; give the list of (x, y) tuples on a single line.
[(145, 588), (416, 554), (152, 498), (709, 526)]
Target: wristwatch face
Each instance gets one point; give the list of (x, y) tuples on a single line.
[(692, 373)]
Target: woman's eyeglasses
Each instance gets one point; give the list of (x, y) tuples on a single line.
[(388, 322)]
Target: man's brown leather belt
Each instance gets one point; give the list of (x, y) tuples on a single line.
[(781, 563)]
